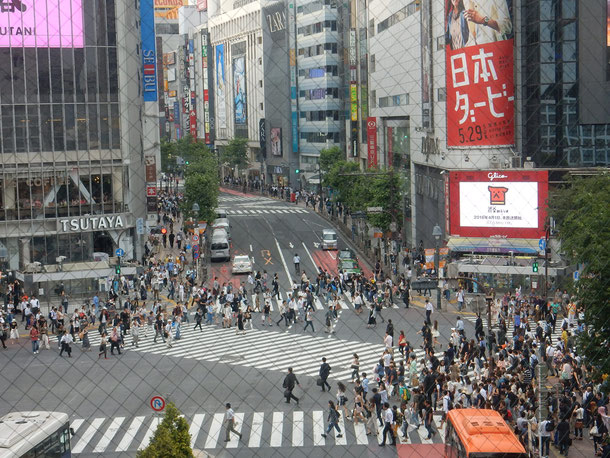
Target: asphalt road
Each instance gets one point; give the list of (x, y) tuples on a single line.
[(109, 400)]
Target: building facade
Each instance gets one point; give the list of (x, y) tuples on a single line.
[(71, 184)]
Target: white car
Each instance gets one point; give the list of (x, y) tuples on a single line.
[(242, 265)]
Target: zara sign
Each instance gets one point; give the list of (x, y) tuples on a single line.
[(90, 223)]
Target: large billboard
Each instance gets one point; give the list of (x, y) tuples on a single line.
[(221, 87), (41, 24), (149, 56), (509, 204), (479, 73), (239, 90)]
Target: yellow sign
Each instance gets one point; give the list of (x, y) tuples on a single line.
[(354, 100), (166, 4)]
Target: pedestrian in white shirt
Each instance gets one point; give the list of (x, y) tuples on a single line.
[(230, 423)]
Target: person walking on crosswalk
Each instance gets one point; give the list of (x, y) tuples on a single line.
[(290, 382), (333, 419), (230, 423), (309, 319), (324, 373)]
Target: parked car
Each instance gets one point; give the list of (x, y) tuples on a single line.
[(242, 265)]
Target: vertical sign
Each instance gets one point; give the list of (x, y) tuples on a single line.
[(294, 104), (371, 134), (202, 5), (149, 60), (426, 65), (389, 134), (479, 62), (206, 97), (262, 137), (220, 94), (276, 141), (239, 90), (353, 90), (151, 169), (160, 89)]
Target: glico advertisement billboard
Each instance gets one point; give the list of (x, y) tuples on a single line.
[(509, 204), (479, 73), (41, 24)]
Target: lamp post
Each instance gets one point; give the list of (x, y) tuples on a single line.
[(195, 209), (437, 233)]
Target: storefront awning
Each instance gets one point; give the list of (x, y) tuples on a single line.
[(493, 245)]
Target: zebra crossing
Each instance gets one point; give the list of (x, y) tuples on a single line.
[(510, 331), (266, 211), (107, 435)]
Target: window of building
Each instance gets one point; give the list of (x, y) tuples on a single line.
[(371, 27), (442, 94), (440, 43), (373, 98), (384, 102), (372, 64)]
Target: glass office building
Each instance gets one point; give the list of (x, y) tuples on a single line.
[(70, 104)]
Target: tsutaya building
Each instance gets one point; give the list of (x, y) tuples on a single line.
[(73, 142)]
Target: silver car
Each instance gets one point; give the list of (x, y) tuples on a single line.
[(242, 265)]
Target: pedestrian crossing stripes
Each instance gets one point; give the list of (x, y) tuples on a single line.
[(265, 211), (555, 335), (258, 429)]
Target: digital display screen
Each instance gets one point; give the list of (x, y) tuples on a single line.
[(41, 24)]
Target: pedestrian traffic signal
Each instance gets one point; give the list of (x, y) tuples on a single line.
[(117, 270), (297, 171), (535, 266)]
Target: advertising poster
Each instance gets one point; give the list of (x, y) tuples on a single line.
[(239, 89), (149, 59), (276, 141), (41, 24), (220, 95), (371, 135), (479, 73), (498, 204)]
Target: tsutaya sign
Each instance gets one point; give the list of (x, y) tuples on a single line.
[(90, 223)]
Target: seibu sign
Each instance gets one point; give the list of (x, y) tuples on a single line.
[(91, 223)]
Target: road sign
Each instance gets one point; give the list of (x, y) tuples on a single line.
[(188, 247), (195, 248), (195, 238), (120, 252), (542, 244), (393, 226), (157, 403), (151, 191), (196, 255), (374, 209), (576, 275)]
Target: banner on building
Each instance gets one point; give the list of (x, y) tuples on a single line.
[(371, 135), (220, 95), (149, 59), (168, 4), (353, 90), (276, 141), (151, 169), (202, 5), (239, 90), (479, 73)]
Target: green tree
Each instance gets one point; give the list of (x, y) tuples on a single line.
[(235, 154), (329, 157), (201, 184), (171, 437), (379, 189), (581, 210), (168, 155)]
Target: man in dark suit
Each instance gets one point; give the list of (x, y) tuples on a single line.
[(324, 373), (290, 381)]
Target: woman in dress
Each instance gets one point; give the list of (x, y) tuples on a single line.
[(372, 323), (14, 335), (342, 399)]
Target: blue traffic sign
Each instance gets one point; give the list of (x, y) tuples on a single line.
[(195, 248), (188, 247), (196, 255), (542, 244), (120, 252)]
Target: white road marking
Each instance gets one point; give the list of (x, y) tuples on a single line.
[(196, 427), (109, 435), (88, 435), (214, 431), (318, 427), (284, 263), (130, 434), (149, 433), (277, 426), (297, 428), (256, 432)]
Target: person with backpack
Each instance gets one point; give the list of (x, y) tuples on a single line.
[(546, 427), (447, 406), (333, 419)]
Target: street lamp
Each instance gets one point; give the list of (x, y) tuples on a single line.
[(437, 233)]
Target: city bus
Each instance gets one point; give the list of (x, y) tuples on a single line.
[(35, 434), (471, 433)]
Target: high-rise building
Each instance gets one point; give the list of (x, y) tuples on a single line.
[(73, 155)]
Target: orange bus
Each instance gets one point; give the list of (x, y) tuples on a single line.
[(470, 433), (480, 433)]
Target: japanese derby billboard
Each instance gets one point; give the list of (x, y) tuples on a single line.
[(479, 73), (508, 204)]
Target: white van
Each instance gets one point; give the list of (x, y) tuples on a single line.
[(219, 246), (329, 239), (222, 223)]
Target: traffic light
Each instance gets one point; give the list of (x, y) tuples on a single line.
[(297, 171), (117, 269), (187, 162), (163, 231), (535, 267)]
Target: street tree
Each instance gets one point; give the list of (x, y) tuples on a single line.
[(581, 210), (235, 154), (171, 438), (201, 184)]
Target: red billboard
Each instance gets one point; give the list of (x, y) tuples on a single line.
[(371, 135), (509, 204), (479, 73)]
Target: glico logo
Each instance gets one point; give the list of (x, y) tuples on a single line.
[(495, 176), (497, 195), (10, 6)]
